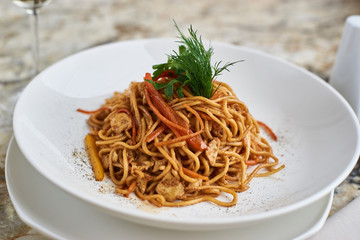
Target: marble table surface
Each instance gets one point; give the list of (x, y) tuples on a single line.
[(306, 33)]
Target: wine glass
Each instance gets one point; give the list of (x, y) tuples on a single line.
[(16, 67)]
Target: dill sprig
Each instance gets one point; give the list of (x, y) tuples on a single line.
[(192, 66)]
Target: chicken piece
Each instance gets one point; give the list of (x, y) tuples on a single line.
[(141, 164), (120, 122), (141, 183), (105, 161), (195, 185), (170, 187), (160, 165), (137, 167), (212, 151), (217, 130), (141, 157), (130, 156)]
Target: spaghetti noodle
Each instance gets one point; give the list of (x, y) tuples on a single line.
[(180, 151)]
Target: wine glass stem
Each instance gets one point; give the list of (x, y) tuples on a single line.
[(34, 23)]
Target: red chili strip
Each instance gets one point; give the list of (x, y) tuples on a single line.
[(92, 111), (268, 129)]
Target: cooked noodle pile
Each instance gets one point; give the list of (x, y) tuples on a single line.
[(143, 155)]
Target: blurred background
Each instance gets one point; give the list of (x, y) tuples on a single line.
[(302, 31), (305, 32)]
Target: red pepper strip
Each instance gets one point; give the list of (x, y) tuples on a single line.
[(93, 111), (177, 139), (147, 76), (133, 125), (163, 107), (166, 73), (131, 188), (251, 162), (194, 174), (155, 133), (205, 117), (158, 102), (271, 133), (173, 126), (196, 142)]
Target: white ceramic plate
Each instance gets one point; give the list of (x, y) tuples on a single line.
[(318, 131), (59, 215)]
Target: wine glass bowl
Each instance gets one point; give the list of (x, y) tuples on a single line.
[(31, 5)]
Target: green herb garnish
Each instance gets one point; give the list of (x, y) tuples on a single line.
[(191, 66)]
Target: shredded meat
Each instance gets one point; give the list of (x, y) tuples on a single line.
[(105, 161), (160, 165), (194, 185), (212, 151), (130, 156), (141, 183), (217, 130), (170, 188), (120, 122), (141, 164)]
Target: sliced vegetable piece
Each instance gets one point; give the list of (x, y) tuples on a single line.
[(268, 129), (95, 161), (154, 98)]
